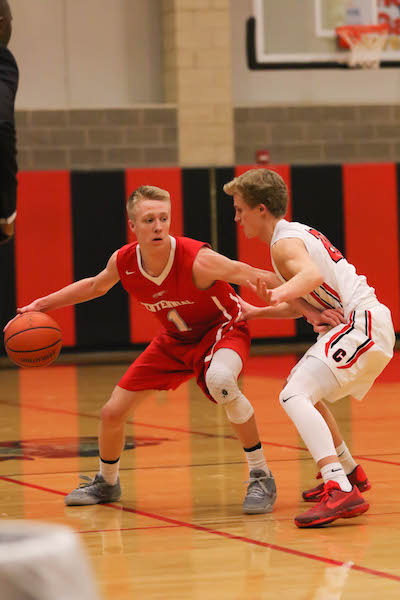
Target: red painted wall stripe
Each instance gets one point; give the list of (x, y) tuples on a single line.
[(256, 254), (143, 325), (43, 242), (371, 229)]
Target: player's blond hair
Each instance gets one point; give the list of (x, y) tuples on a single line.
[(145, 192), (261, 186)]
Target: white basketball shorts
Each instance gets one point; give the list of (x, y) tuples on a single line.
[(356, 352)]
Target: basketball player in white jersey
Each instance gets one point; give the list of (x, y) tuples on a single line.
[(346, 360)]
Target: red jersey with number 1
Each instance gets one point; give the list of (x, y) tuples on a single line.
[(185, 312)]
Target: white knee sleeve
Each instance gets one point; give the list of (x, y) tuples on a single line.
[(297, 399), (314, 378), (301, 382), (221, 381)]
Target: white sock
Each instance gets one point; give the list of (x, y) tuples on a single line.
[(256, 459), (334, 472), (109, 471), (346, 460)]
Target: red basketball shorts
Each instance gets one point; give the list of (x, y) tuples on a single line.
[(168, 362)]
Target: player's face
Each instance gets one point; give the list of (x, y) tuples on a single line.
[(152, 222), (249, 218)]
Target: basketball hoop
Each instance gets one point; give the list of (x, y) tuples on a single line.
[(366, 43)]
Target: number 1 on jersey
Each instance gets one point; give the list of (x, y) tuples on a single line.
[(177, 320)]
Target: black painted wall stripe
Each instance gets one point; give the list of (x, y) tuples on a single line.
[(317, 194), (226, 227), (317, 200), (99, 228), (7, 290), (196, 204)]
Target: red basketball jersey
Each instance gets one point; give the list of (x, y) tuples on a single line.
[(185, 312)]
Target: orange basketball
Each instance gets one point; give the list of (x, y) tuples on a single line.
[(33, 340)]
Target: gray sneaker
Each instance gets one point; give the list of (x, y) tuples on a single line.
[(261, 493), (95, 491)]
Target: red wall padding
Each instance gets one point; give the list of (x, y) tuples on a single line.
[(371, 213), (144, 326), (256, 254), (44, 249), (43, 242)]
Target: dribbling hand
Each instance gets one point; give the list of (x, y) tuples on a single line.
[(33, 306)]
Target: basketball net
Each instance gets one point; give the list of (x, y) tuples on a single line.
[(365, 42)]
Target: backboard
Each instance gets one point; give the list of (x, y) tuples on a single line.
[(290, 34)]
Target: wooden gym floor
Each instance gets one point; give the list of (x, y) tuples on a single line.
[(178, 532)]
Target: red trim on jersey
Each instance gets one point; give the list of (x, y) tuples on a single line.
[(369, 324), (357, 356), (319, 300), (332, 291)]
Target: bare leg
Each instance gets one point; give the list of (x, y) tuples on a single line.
[(330, 421), (247, 432), (113, 418), (105, 487)]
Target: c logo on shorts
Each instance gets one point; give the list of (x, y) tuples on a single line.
[(339, 354)]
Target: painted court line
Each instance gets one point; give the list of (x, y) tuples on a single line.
[(379, 460), (223, 534), (177, 429), (138, 423), (157, 467), (129, 529)]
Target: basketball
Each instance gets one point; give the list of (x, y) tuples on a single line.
[(33, 340)]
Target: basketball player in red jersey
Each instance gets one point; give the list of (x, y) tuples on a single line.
[(184, 283)]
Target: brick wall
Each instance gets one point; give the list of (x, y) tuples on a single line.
[(318, 134), (97, 139), (147, 136)]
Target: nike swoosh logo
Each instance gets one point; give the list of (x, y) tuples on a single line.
[(129, 272), (286, 399), (334, 504), (335, 470)]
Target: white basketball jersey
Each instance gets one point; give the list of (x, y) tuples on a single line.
[(342, 287)]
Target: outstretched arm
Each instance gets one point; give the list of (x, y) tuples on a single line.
[(321, 321), (284, 310), (209, 266), (80, 291)]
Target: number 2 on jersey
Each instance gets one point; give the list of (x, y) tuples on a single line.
[(177, 320), (333, 252)]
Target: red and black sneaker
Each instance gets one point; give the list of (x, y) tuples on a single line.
[(357, 477), (334, 504)]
